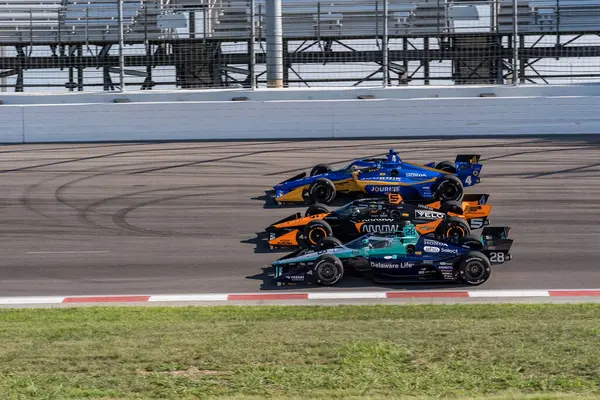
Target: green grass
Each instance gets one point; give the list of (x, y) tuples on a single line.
[(378, 352)]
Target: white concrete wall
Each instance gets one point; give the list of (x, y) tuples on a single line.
[(406, 92), (11, 124), (340, 114)]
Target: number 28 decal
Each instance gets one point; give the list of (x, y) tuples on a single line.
[(497, 257)]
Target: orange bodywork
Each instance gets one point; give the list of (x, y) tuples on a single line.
[(291, 238), (300, 221), (429, 227), (287, 239), (471, 210), (475, 211)]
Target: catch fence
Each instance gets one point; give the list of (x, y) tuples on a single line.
[(111, 45)]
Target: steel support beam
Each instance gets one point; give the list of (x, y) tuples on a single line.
[(252, 62), (121, 48)]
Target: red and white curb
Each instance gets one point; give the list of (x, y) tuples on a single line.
[(341, 295)]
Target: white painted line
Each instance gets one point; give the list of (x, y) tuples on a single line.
[(68, 252), (31, 300), (509, 293), (189, 297), (346, 295)]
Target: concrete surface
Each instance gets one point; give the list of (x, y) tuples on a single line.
[(182, 217)]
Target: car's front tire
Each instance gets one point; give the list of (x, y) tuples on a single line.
[(328, 270), (322, 190)]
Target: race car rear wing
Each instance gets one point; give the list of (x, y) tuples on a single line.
[(496, 244), (495, 238), (495, 232)]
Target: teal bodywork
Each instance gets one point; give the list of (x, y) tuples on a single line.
[(365, 246), (407, 257)]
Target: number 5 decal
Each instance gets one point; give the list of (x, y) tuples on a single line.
[(497, 257)]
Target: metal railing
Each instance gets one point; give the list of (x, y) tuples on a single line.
[(153, 44)]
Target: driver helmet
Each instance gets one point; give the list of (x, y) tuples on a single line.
[(392, 156)]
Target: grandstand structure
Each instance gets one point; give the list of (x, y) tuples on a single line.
[(207, 43)]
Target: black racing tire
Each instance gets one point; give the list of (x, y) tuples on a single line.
[(452, 229), (452, 206), (316, 208), (448, 188), (328, 270), (447, 166), (474, 268), (320, 169), (315, 231), (471, 241), (329, 243), (322, 191)]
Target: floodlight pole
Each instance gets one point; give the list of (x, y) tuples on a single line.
[(121, 46), (274, 44), (384, 45), (515, 74)]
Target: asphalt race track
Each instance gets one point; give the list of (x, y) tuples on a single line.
[(161, 218)]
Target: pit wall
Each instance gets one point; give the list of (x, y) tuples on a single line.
[(299, 113)]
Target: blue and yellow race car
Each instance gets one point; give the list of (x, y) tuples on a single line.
[(444, 181)]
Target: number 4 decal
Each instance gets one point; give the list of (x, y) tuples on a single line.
[(497, 257), (468, 181)]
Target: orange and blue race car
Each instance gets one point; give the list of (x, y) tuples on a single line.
[(443, 181), (440, 220)]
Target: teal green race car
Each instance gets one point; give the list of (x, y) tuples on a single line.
[(398, 258)]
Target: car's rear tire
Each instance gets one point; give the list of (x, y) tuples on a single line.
[(452, 206), (449, 188), (315, 231), (322, 191), (328, 270), (316, 208), (472, 241), (320, 169), (447, 166), (329, 243), (474, 268), (452, 228)]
